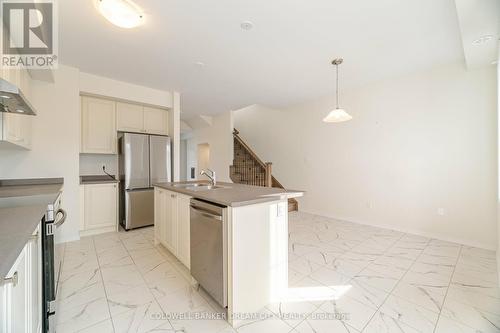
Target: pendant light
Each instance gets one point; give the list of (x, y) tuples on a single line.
[(338, 115)]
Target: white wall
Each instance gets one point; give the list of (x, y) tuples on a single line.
[(56, 142), (183, 160), (91, 164), (174, 131), (191, 157), (220, 138), (498, 165), (97, 85), (416, 144)]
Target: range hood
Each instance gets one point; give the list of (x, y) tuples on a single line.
[(12, 99)]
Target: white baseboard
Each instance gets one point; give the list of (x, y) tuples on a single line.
[(92, 232), (414, 232)]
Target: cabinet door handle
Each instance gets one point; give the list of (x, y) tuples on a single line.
[(173, 195), (13, 279)]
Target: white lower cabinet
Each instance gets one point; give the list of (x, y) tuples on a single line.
[(172, 223), (99, 203), (17, 292), (20, 291)]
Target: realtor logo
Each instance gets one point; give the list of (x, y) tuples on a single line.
[(29, 34)]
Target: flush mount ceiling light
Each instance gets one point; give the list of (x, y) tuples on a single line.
[(338, 115), (122, 13), (482, 40)]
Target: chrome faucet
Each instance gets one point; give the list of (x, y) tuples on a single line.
[(211, 175)]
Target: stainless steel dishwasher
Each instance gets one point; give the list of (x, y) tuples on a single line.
[(209, 248)]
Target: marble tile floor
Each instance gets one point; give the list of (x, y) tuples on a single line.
[(343, 277)]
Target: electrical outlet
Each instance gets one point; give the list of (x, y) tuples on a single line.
[(369, 205), (441, 211)]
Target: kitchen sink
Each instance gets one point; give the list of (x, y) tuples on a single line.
[(204, 187), (191, 185)]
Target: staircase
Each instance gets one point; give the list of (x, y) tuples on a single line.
[(249, 169)]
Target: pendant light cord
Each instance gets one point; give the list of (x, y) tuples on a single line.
[(337, 85)]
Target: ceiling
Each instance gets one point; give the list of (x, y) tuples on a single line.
[(476, 19), (283, 60)]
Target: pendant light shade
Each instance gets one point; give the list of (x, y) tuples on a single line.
[(337, 115)]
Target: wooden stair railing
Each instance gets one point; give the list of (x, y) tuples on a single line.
[(249, 169)]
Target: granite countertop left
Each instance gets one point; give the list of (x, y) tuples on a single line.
[(23, 203)]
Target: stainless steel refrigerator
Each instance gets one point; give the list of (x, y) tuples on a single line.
[(143, 161)]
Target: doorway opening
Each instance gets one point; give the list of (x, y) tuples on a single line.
[(203, 158)]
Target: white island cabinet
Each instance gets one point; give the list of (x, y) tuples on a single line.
[(255, 239), (21, 290), (172, 223)]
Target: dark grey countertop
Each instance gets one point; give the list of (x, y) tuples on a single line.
[(97, 179), (234, 195), (22, 205)]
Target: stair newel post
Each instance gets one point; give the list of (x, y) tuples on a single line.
[(269, 177)]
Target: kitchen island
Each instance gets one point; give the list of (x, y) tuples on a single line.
[(255, 237)]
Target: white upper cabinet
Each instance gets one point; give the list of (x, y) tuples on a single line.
[(102, 118), (16, 129), (141, 119), (155, 121), (98, 130), (129, 117)]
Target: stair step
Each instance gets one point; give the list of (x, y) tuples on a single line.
[(248, 170)]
